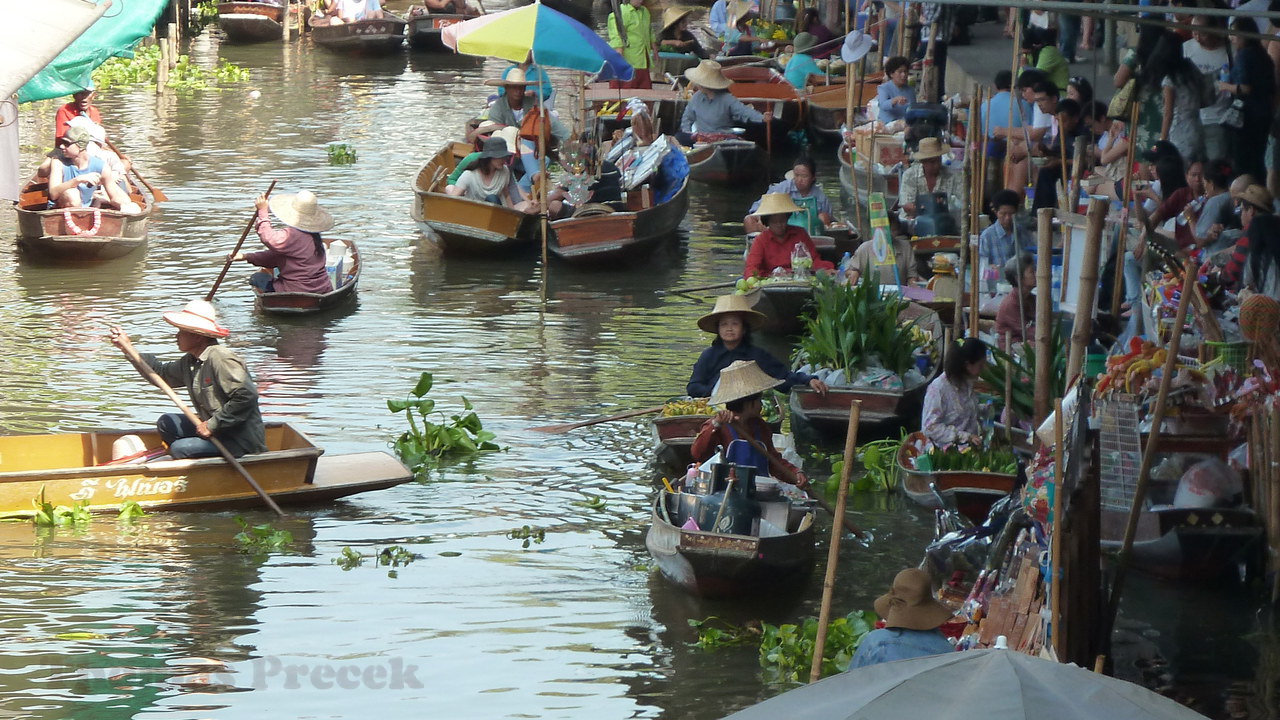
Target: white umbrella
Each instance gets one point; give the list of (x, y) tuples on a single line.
[(973, 685)]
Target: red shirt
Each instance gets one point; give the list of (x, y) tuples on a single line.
[(1172, 207), (68, 111), (768, 252), (1008, 321)]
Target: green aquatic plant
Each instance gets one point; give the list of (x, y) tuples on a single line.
[(715, 633), (849, 325), (143, 66), (202, 14), (48, 515), (341, 154), (396, 556), (348, 559), (591, 502), (130, 510), (425, 444), (880, 467), (261, 539), (786, 651), (528, 534)]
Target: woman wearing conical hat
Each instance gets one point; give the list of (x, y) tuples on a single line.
[(675, 35), (713, 111), (732, 322), (773, 247), (296, 252)]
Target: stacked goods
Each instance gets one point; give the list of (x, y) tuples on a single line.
[(1130, 373), (686, 406), (922, 454)]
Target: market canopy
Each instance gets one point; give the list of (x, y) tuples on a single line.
[(116, 31), (34, 33)]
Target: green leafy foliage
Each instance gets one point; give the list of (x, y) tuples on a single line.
[(396, 556), (130, 510), (47, 515), (425, 444), (203, 13), (880, 467), (341, 154), (528, 534), (848, 325), (591, 502), (786, 651), (1023, 368), (968, 458), (715, 633), (261, 539), (348, 559), (143, 68)]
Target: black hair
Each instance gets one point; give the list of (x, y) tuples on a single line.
[(961, 354), (746, 333), (892, 64), (1005, 197), (1085, 87), (737, 405), (1165, 54), (1014, 266), (1030, 77), (1097, 110), (1246, 24), (1218, 172), (1004, 80), (807, 161), (1172, 174), (1048, 87), (1069, 106), (315, 238), (1264, 247)]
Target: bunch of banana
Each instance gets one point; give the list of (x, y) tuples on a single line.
[(689, 406)]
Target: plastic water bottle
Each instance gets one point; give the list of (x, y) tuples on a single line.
[(335, 258), (842, 270), (801, 261)]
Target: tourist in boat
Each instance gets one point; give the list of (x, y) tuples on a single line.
[(75, 175), (221, 389), (912, 618), (732, 322), (1255, 203), (810, 23), (81, 105), (490, 180), (514, 108), (637, 46), (740, 391), (927, 176), (98, 148), (894, 94), (675, 36), (802, 69), (801, 186), (295, 252), (339, 12), (486, 130), (1016, 316), (950, 405), (773, 248), (713, 111)]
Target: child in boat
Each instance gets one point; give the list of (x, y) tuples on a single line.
[(773, 248), (297, 253), (950, 405), (739, 390), (732, 322)]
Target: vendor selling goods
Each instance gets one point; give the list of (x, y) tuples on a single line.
[(780, 242), (950, 405), (732, 321)]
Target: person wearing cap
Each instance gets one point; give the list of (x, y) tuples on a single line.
[(675, 36), (483, 132), (490, 180), (802, 68), (75, 175), (912, 618), (713, 111), (81, 104), (740, 390), (928, 176), (636, 43), (950, 412), (221, 389), (295, 252), (773, 248), (732, 322), (894, 94), (801, 186), (98, 148), (812, 24)]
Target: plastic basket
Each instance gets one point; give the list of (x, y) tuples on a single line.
[(1233, 354)]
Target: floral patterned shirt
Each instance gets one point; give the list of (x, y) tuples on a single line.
[(949, 411)]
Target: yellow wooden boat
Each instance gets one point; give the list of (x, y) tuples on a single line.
[(71, 468)]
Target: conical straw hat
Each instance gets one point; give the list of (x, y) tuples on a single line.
[(726, 304), (302, 211), (198, 317), (777, 204), (742, 379), (708, 74)]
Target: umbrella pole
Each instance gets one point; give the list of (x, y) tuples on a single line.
[(543, 166), (833, 550)]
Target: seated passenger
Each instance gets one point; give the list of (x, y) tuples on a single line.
[(297, 253), (713, 111), (340, 12), (675, 36), (802, 70), (490, 180), (76, 175), (670, 174)]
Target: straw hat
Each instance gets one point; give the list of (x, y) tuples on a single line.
[(727, 304), (708, 74), (1259, 197), (856, 45), (929, 147), (804, 42), (511, 76), (198, 317), (510, 134), (777, 204), (672, 15), (738, 9), (740, 380), (910, 604), (301, 211)]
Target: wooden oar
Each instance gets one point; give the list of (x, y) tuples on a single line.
[(227, 266), (833, 549), (155, 379), (156, 192), (596, 421), (785, 474), (699, 288)]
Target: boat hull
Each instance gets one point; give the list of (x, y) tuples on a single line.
[(972, 493), (783, 305), (46, 233), (618, 236), (424, 30), (251, 22), (304, 303), (830, 413), (728, 162), (1189, 544), (463, 226), (363, 37)]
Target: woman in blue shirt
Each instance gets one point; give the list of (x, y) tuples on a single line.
[(911, 620), (802, 66), (732, 321), (894, 94)]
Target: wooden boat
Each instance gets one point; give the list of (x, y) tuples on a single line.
[(383, 36), (673, 436), (722, 565), (613, 232), (424, 27), (972, 493), (466, 226), (73, 468), (605, 103), (251, 22), (857, 190), (826, 107), (783, 305), (305, 303), (1198, 544), (726, 162), (78, 234)]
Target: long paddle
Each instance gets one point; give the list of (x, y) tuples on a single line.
[(596, 421), (248, 226), (156, 192), (785, 474), (159, 382)]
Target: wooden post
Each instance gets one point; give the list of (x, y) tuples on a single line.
[(833, 550), (1044, 311), (1055, 584), (1008, 389), (1117, 290), (1013, 96), (1088, 292)]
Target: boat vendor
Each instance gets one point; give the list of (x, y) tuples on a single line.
[(296, 252), (732, 322), (802, 69), (1016, 317), (898, 269), (950, 405), (738, 39), (926, 177), (801, 187), (740, 391), (81, 104), (638, 46), (773, 248), (221, 389), (713, 111), (675, 36), (673, 167), (894, 95), (912, 618)]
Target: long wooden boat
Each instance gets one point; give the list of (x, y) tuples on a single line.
[(826, 108), (305, 303), (616, 232), (1190, 544), (726, 162), (674, 435), (723, 565), (78, 234), (382, 36), (608, 106), (972, 493), (251, 22), (424, 27), (465, 226), (71, 468)]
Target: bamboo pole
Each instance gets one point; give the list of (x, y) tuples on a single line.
[(1013, 97), (1088, 292), (1153, 440), (1117, 288), (1008, 388), (1059, 474), (833, 550), (1044, 310)]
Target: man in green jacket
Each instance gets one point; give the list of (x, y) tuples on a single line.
[(640, 46), (222, 391)]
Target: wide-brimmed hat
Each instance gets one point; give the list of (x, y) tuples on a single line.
[(511, 76), (302, 211), (510, 135), (929, 147), (738, 9), (198, 317), (1259, 197), (804, 42), (726, 304), (495, 147), (487, 127), (910, 603), (740, 380), (777, 204), (708, 74), (77, 135), (672, 15), (856, 45)]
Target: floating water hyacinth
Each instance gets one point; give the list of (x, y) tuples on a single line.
[(341, 154)]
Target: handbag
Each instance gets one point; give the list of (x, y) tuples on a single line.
[(1122, 101), (536, 124)]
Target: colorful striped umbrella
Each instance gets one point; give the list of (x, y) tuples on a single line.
[(554, 39)]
